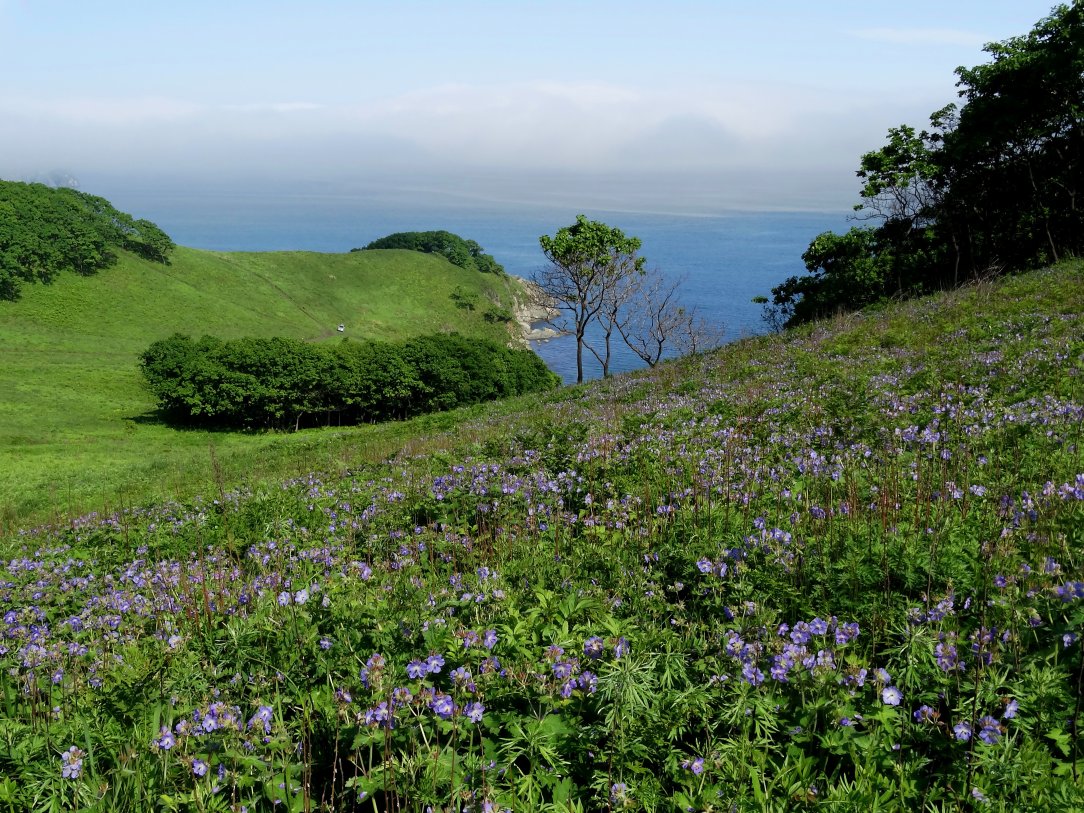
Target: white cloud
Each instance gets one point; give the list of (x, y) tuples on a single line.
[(552, 129), (595, 125)]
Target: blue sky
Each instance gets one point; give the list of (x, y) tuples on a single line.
[(726, 103)]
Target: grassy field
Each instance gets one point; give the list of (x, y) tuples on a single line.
[(837, 568), (78, 429)]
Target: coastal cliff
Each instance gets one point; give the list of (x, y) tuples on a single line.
[(534, 308)]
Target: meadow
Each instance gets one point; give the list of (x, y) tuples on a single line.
[(80, 429), (834, 568)]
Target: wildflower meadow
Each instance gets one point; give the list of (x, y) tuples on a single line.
[(837, 568)]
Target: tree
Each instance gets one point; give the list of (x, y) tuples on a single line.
[(284, 383), (45, 232), (590, 264), (464, 253), (655, 319), (993, 184), (1018, 148)]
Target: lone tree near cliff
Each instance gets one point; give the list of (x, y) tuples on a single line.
[(590, 266), (595, 274)]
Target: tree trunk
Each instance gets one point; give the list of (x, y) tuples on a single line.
[(579, 355)]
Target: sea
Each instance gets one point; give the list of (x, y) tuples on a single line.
[(721, 260)]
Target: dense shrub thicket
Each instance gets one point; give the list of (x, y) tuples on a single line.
[(45, 232), (992, 185), (282, 383), (464, 253)]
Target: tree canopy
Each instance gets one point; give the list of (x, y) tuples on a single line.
[(596, 276), (45, 232), (282, 383), (590, 265), (464, 253), (992, 185)]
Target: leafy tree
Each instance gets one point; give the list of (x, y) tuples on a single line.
[(167, 368), (1020, 139), (45, 232), (284, 383), (992, 184), (374, 381), (464, 253), (589, 271)]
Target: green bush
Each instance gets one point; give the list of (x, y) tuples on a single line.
[(282, 383), (464, 253), (45, 232)]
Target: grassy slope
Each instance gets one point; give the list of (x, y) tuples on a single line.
[(999, 368), (78, 427)]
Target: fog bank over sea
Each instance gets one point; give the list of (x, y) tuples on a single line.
[(725, 256)]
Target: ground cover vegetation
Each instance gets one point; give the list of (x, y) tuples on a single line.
[(45, 232), (80, 429), (282, 383), (991, 186), (835, 567)]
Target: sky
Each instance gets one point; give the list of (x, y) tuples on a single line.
[(679, 104)]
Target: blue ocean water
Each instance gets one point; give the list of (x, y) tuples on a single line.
[(723, 260)]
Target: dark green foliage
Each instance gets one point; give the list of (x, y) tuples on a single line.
[(992, 186), (45, 232), (283, 383), (464, 253)]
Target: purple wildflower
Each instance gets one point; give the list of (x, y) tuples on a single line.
[(262, 718), (443, 706), (593, 647), (948, 658), (562, 670), (751, 675), (925, 714), (473, 711), (72, 763), (694, 765), (891, 696), (990, 730), (165, 739), (588, 682)]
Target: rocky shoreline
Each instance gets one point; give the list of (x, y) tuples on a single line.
[(532, 312)]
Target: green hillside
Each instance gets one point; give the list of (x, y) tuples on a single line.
[(836, 568), (78, 425)]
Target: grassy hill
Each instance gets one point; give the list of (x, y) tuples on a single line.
[(79, 430), (836, 568)]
